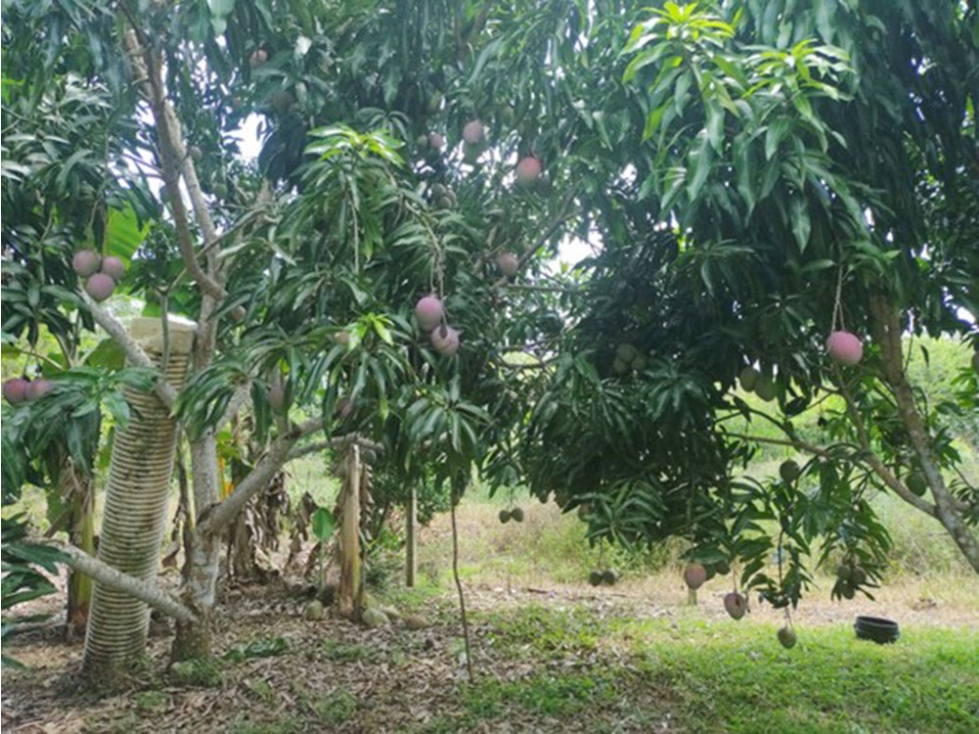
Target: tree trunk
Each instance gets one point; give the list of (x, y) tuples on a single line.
[(136, 507), (203, 555), (348, 594), (411, 540), (193, 638), (82, 535)]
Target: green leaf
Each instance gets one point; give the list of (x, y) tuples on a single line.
[(700, 165), (654, 120), (221, 8), (323, 524), (799, 213), (107, 354), (744, 172), (776, 133), (681, 91), (123, 235), (383, 332), (715, 125)]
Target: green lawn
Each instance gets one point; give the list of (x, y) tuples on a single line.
[(724, 676), (737, 678)]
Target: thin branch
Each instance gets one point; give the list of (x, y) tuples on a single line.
[(37, 357), (545, 289), (105, 574), (311, 448), (737, 413), (795, 444), (251, 216), (462, 599), (194, 191), (542, 239)]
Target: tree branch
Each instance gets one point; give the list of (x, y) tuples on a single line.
[(880, 469), (173, 156), (556, 223), (333, 443), (252, 215), (218, 517), (283, 449), (105, 574), (544, 236), (545, 289), (887, 332), (795, 444), (134, 353)]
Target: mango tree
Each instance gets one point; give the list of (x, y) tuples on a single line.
[(800, 207), (383, 179)]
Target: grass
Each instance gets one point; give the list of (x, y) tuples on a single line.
[(543, 633), (546, 694), (736, 678), (729, 677), (340, 652), (633, 658), (335, 708), (550, 549), (150, 702), (921, 545)]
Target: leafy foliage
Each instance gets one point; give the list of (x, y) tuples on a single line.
[(22, 577)]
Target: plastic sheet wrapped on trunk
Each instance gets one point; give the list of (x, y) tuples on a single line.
[(136, 505)]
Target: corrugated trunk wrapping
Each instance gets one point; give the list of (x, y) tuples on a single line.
[(136, 504)]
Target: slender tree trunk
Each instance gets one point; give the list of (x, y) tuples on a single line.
[(203, 556), (82, 535), (411, 540), (136, 507), (193, 638), (203, 550), (454, 500), (348, 594)]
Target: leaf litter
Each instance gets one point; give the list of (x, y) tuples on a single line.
[(280, 674)]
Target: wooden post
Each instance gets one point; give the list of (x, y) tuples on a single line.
[(411, 538), (348, 596)]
